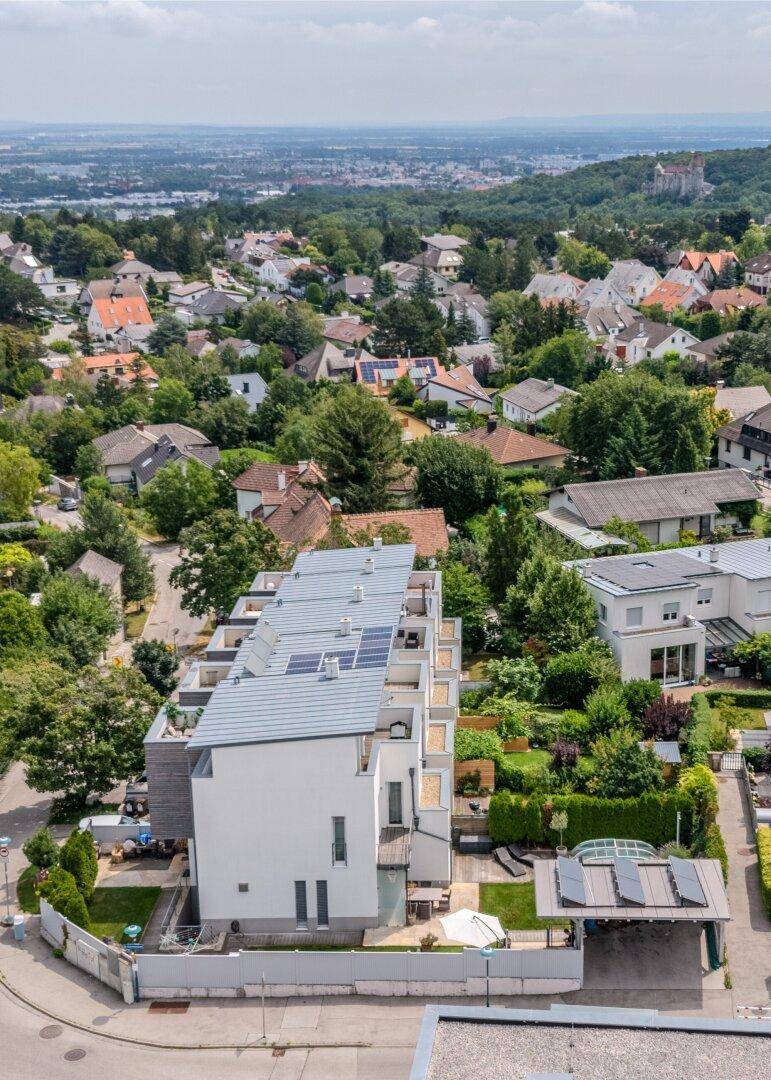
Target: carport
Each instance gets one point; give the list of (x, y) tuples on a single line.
[(621, 890)]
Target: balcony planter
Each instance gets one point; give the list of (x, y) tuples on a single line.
[(518, 745)]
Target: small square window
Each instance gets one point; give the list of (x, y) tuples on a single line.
[(704, 597), (603, 612), (634, 616), (243, 886), (671, 612)]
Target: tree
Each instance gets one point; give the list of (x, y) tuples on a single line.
[(76, 249), (67, 432), (221, 556), (563, 359), (80, 615), (400, 243), (20, 478), (461, 478), (359, 448), (623, 768), (710, 325), (464, 596), (105, 529), (582, 260), (403, 391), (263, 322), (41, 850), (383, 284), (521, 677), (88, 462), (179, 495), (283, 395), (18, 295), (172, 402), (562, 612), (665, 717), (407, 326), (60, 890), (510, 539), (169, 330), (20, 623), (158, 662), (19, 568), (77, 857), (303, 329), (90, 737), (423, 285), (226, 422)]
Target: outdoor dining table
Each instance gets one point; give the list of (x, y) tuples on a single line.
[(423, 895)]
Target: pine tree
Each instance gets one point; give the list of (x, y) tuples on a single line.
[(424, 286), (511, 536)]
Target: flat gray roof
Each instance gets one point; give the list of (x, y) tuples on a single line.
[(662, 903), (259, 702), (647, 570)]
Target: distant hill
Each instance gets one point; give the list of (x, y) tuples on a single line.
[(742, 179)]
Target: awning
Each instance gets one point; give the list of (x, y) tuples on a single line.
[(723, 633), (574, 528)]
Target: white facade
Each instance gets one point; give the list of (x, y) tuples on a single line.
[(641, 348), (59, 289), (249, 385)]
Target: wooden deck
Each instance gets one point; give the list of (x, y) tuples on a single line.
[(480, 868), (302, 939)]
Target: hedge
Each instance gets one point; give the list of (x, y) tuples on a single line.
[(750, 699), (61, 891), (698, 730), (755, 757), (763, 840), (78, 857), (652, 817), (471, 744), (714, 848)]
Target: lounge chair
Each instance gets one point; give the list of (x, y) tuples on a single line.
[(521, 855), (504, 858)]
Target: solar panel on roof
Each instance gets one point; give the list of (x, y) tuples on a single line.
[(570, 877), (628, 881), (686, 881), (303, 663)]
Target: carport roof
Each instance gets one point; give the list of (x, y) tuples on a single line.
[(661, 901)]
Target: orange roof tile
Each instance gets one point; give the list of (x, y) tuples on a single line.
[(117, 311), (427, 528), (508, 446)]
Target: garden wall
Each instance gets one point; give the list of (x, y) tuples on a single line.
[(483, 766)]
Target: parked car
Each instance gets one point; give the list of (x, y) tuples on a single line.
[(67, 504), (66, 319)]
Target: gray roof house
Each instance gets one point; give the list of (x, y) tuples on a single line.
[(355, 287), (119, 449), (554, 286), (633, 279), (648, 340), (740, 400), (606, 321), (212, 306), (662, 506), (166, 451), (93, 565), (600, 291), (532, 399), (327, 361)]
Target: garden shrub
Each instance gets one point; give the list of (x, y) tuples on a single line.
[(698, 731), (574, 726), (665, 718), (763, 841), (470, 700), (699, 784), (41, 850), (758, 757), (518, 677), (79, 858), (750, 699), (568, 680), (515, 716), (639, 694), (61, 891), (720, 737), (714, 848), (471, 744), (606, 709)]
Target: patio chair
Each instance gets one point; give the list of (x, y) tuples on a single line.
[(515, 868), (521, 855)]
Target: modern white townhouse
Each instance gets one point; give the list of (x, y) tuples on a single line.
[(672, 615), (309, 761)]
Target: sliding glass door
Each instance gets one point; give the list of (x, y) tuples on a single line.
[(674, 664)]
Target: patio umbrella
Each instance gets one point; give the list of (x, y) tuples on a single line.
[(473, 928)]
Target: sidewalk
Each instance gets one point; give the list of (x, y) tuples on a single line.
[(748, 934)]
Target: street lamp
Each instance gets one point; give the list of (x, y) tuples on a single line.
[(5, 855), (487, 951)]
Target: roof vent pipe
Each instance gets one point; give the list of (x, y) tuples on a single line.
[(331, 668), (377, 543), (345, 626), (358, 593), (369, 565), (713, 554)]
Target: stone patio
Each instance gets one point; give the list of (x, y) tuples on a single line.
[(140, 872)]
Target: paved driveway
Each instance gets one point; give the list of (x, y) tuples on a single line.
[(649, 956)]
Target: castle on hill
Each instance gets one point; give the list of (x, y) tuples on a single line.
[(679, 181)]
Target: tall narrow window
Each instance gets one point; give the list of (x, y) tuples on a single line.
[(301, 905), (339, 853), (322, 906), (394, 802)]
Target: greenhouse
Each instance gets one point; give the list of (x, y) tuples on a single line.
[(609, 848)]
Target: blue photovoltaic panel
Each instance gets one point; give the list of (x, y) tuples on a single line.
[(570, 876), (376, 631), (372, 663), (686, 881), (369, 367), (345, 658), (628, 880), (303, 663)]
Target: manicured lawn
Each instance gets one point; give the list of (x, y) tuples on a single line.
[(113, 909), (743, 718), (514, 905), (134, 621), (530, 759), (25, 891)]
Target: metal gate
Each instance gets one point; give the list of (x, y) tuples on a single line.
[(731, 761)]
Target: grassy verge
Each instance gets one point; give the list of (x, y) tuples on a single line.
[(25, 891), (529, 759), (134, 621), (113, 909), (514, 905)]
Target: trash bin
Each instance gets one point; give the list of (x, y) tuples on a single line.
[(18, 928)]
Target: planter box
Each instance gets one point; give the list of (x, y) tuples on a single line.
[(478, 723), (520, 745), (484, 766)]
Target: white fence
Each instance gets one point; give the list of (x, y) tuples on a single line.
[(241, 974), (105, 962)]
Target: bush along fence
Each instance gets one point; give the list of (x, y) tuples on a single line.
[(763, 840), (697, 735)]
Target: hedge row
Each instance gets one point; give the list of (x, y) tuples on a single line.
[(750, 699), (714, 848), (698, 731), (763, 840), (652, 817)]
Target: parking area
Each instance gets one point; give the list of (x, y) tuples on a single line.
[(649, 956)]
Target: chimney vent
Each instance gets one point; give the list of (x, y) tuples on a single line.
[(345, 626), (639, 472), (377, 543), (332, 668), (369, 565), (492, 424), (720, 384), (140, 425), (358, 593), (550, 384), (301, 467), (713, 554)]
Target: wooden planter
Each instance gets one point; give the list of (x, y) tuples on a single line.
[(484, 766), (520, 745)]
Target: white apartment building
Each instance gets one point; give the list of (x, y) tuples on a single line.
[(310, 760), (671, 615), (745, 442)]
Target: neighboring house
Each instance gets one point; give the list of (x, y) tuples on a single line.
[(198, 342), (459, 389), (599, 291), (680, 276), (469, 304), (326, 361), (117, 366), (443, 242), (107, 289), (286, 499), (170, 448), (740, 400), (59, 289), (119, 449), (707, 265), (604, 322), (745, 443), (480, 353), (661, 506), (110, 314), (249, 385), (441, 254), (355, 287), (757, 273), (730, 301), (405, 275), (412, 428), (181, 295), (379, 375), (514, 449), (254, 247), (108, 574), (427, 528), (646, 340), (245, 349), (50, 404), (279, 270), (530, 401), (133, 337), (673, 615), (707, 351), (346, 330), (313, 776), (633, 279), (670, 295), (211, 306), (556, 286)]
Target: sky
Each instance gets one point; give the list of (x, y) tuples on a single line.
[(330, 63)]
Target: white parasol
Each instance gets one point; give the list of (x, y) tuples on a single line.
[(473, 928)]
